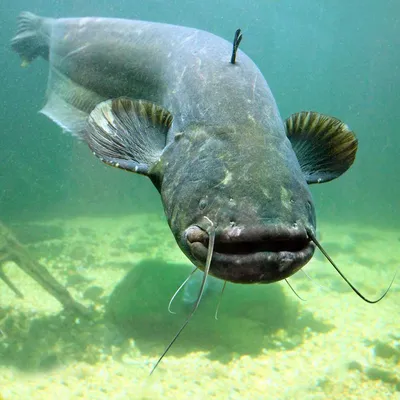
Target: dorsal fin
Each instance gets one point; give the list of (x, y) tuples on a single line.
[(324, 146)]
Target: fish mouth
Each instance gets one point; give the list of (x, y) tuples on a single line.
[(252, 255)]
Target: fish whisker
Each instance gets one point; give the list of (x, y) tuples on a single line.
[(211, 232), (291, 287), (179, 289), (313, 281), (219, 301), (355, 290)]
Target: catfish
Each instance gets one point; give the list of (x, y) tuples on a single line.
[(195, 115)]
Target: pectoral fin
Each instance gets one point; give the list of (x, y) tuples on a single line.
[(128, 134), (324, 146)]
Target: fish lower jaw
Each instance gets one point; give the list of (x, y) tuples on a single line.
[(254, 267)]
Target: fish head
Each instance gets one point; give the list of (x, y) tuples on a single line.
[(250, 192)]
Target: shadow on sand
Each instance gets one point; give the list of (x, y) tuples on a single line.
[(251, 318)]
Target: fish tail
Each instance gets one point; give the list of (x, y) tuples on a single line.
[(32, 38)]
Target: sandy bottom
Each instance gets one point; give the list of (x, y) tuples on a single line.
[(330, 346)]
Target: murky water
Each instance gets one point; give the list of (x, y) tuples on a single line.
[(102, 235)]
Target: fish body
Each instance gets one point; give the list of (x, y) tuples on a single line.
[(167, 102)]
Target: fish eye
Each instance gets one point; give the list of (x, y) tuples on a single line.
[(203, 204)]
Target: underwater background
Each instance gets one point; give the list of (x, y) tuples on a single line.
[(102, 233)]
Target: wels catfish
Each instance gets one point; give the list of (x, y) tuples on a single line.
[(197, 117)]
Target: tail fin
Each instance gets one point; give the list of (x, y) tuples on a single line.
[(32, 39)]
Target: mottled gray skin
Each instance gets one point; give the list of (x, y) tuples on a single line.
[(256, 188), (227, 156)]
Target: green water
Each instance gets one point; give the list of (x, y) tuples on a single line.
[(338, 58), (326, 57)]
